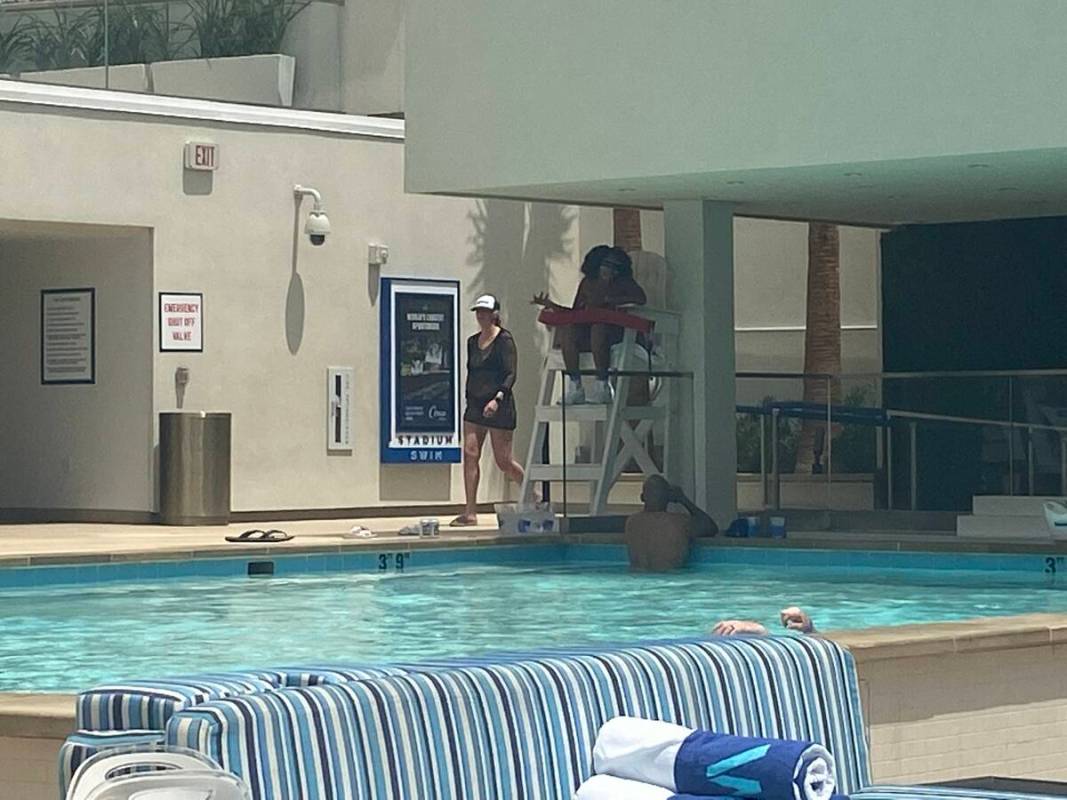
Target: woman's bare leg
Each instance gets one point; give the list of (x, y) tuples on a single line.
[(601, 338), (502, 441), (569, 341), (473, 440)]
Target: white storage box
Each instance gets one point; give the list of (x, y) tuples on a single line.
[(526, 518)]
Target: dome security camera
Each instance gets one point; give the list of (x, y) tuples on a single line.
[(317, 226)]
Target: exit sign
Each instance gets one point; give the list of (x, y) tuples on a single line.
[(202, 156)]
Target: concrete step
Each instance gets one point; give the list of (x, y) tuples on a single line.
[(1002, 527), (1004, 506)]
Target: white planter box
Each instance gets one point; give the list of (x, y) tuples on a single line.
[(262, 80), (124, 78)]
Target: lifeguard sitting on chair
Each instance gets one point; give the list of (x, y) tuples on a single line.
[(594, 323)]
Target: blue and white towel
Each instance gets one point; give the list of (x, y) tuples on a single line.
[(608, 787), (687, 761)]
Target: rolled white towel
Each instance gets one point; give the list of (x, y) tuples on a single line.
[(694, 762), (608, 787), (1056, 519), (639, 749)]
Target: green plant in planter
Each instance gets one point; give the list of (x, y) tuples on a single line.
[(61, 43), (265, 22), (137, 34), (216, 28), (855, 447), (15, 45), (242, 27), (748, 439)]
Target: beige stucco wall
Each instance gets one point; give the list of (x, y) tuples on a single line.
[(562, 92), (350, 56), (964, 699), (59, 441), (278, 311), (29, 767), (934, 718)]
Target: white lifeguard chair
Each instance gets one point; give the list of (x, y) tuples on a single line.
[(626, 427)]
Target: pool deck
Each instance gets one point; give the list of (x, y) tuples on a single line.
[(52, 544), (37, 722), (51, 716), (48, 714)]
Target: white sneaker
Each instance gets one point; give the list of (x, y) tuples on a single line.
[(574, 394), (603, 393)]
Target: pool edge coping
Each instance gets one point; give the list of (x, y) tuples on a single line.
[(889, 542), (51, 715)]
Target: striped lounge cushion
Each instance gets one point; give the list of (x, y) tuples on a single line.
[(320, 674), (147, 705), (523, 729), (83, 745)]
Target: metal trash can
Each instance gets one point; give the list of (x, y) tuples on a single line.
[(194, 468)]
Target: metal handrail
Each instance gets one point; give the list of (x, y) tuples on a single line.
[(997, 423), (1023, 373), (913, 418)]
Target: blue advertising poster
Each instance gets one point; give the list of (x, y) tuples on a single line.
[(421, 412)]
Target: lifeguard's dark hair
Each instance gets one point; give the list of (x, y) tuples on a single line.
[(606, 255)]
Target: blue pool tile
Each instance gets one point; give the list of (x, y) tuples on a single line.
[(290, 565), (168, 569), (87, 573), (147, 570), (361, 562), (776, 556), (223, 567), (604, 553), (702, 556), (117, 572), (335, 563), (812, 558), (865, 559), (18, 577), (315, 563), (57, 575), (904, 560), (737, 555)]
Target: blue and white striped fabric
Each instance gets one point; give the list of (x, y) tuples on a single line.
[(147, 705), (523, 729), (324, 674), (83, 745)]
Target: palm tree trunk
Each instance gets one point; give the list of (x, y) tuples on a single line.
[(627, 225), (822, 338)]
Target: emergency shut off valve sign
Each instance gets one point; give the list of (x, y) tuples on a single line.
[(181, 322)]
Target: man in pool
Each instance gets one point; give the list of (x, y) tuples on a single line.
[(792, 618), (658, 539)]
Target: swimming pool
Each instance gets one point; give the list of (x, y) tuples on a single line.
[(66, 631)]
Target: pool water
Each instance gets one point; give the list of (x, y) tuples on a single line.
[(68, 638)]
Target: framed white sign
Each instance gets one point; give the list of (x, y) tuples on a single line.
[(339, 413), (181, 322), (68, 336), (421, 415)]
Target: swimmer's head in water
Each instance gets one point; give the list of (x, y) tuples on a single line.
[(656, 493)]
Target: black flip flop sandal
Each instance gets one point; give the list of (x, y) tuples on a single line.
[(258, 536)]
